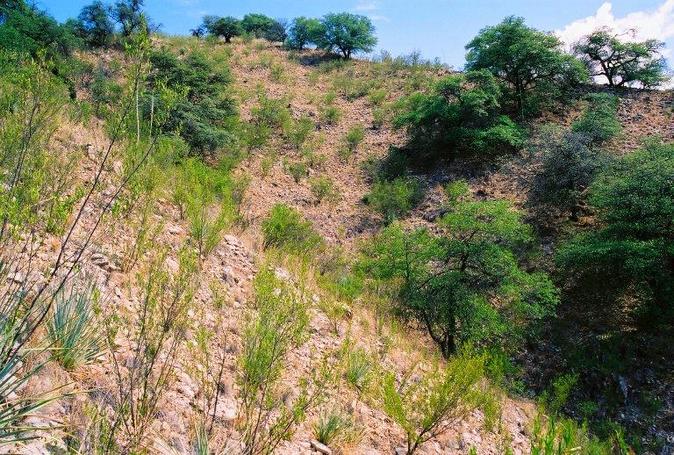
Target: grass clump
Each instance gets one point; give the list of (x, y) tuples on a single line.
[(396, 198), (323, 189), (286, 229), (335, 428), (354, 137)]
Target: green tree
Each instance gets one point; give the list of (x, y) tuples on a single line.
[(347, 33), (622, 63), (304, 31), (29, 30), (129, 15), (631, 253), (459, 115), (261, 26), (531, 62), (95, 25), (224, 27), (466, 284)]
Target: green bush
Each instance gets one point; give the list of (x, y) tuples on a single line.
[(569, 165), (599, 121), (629, 254), (544, 73), (461, 115), (429, 406), (279, 327), (206, 116), (396, 198), (465, 285), (286, 229)]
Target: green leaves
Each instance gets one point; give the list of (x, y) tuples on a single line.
[(461, 115), (632, 252), (286, 229), (532, 63), (347, 33), (434, 401), (466, 284), (622, 63)]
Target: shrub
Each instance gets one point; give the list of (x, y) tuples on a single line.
[(459, 116), (300, 130), (545, 70), (347, 33), (465, 285), (569, 164), (323, 189), (599, 121), (285, 228), (629, 254), (206, 116), (72, 330), (271, 113), (206, 195), (279, 327), (396, 198), (622, 63), (428, 407)]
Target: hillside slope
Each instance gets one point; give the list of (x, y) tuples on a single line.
[(224, 296)]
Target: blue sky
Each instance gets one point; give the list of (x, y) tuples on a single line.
[(437, 28)]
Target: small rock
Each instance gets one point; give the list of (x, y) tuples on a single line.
[(400, 451), (319, 447)]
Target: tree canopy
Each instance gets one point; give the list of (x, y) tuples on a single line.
[(304, 31), (461, 114), (622, 63), (224, 27), (451, 283), (531, 62), (347, 33)]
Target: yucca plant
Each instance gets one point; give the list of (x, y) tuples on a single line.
[(72, 331)]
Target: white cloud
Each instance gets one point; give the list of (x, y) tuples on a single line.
[(370, 8), (638, 25), (365, 6)]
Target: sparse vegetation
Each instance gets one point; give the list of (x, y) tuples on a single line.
[(285, 228)]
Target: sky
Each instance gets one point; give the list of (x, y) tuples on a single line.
[(436, 28)]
